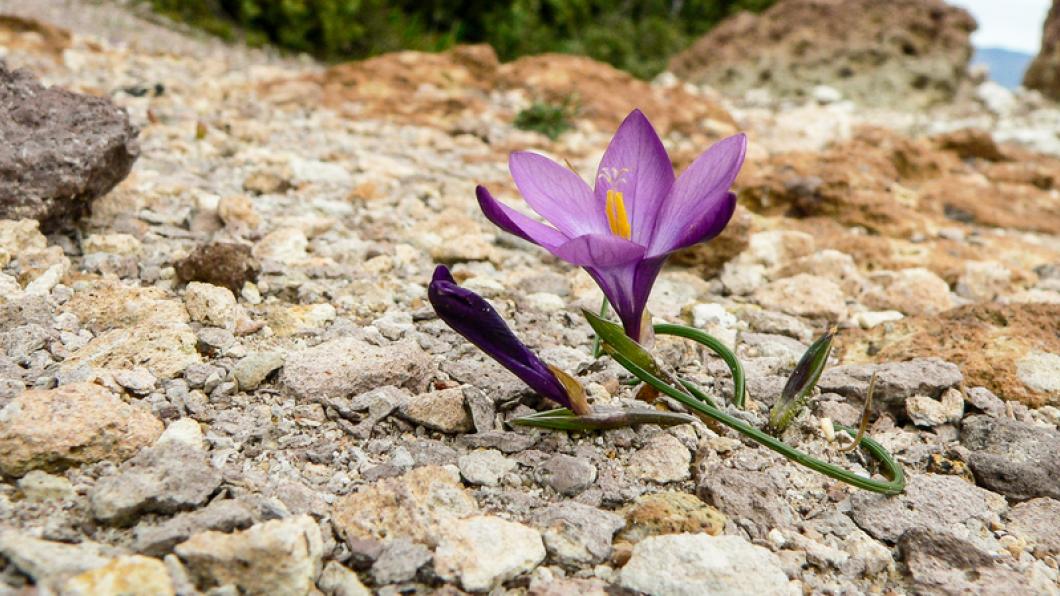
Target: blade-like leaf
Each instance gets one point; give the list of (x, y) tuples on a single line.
[(800, 384), (616, 340), (564, 419)]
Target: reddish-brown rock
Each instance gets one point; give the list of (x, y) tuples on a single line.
[(1043, 73), (900, 52)]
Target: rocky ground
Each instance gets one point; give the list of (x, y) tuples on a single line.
[(227, 379)]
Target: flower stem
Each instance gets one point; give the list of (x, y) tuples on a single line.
[(891, 470), (738, 382)]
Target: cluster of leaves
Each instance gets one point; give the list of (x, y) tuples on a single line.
[(546, 118), (635, 35)]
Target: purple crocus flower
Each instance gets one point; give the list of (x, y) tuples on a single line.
[(638, 214), (471, 316)]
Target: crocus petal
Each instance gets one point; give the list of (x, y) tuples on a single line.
[(703, 184), (472, 317), (557, 194), (704, 225), (636, 164), (599, 250), (516, 223), (627, 288)]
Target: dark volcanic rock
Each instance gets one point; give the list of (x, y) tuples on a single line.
[(224, 264), (59, 150)]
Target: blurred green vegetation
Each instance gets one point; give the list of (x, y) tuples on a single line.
[(548, 119), (638, 36)]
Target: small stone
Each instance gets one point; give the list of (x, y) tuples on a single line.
[(237, 211), (983, 281), (18, 237), (1017, 459), (1040, 371), (756, 496), (895, 381), (223, 515), (576, 535), (44, 560), (443, 411), (164, 350), (929, 501), (669, 513), (124, 576), (118, 244), (566, 474), (485, 467), (693, 564), (925, 411), (399, 561), (804, 295), (1036, 522), (984, 400), (213, 340), (74, 424), (337, 580), (482, 551), (872, 318), (415, 506), (224, 264), (264, 182), (664, 459), (41, 486), (941, 563), (275, 557), (185, 431), (545, 302), (712, 314), (139, 381), (282, 246), (251, 371), (916, 291), (349, 366), (163, 479), (210, 305)]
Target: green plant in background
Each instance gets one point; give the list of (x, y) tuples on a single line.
[(548, 119), (638, 36)]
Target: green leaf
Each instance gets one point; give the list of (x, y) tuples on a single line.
[(803, 379), (616, 341), (564, 419)]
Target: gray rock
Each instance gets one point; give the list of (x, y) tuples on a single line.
[(482, 407), (663, 459), (139, 381), (1017, 459), (929, 501), (985, 401), (213, 340), (162, 479), (756, 496), (577, 535), (43, 560), (566, 474), (942, 563), (399, 561), (694, 564), (61, 150), (927, 411), (895, 381), (349, 366), (224, 516), (251, 371), (485, 467), (1038, 522)]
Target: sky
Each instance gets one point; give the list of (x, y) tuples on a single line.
[(1009, 24)]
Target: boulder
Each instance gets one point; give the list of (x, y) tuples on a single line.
[(1043, 73)]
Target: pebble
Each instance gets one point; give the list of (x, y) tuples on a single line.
[(804, 295), (210, 305), (1017, 459), (252, 370), (927, 411), (1040, 371), (350, 366), (693, 564), (133, 575), (663, 459), (53, 429), (282, 556), (566, 474), (577, 535), (337, 580), (485, 467), (42, 486), (482, 551), (399, 561), (669, 512), (443, 411)]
